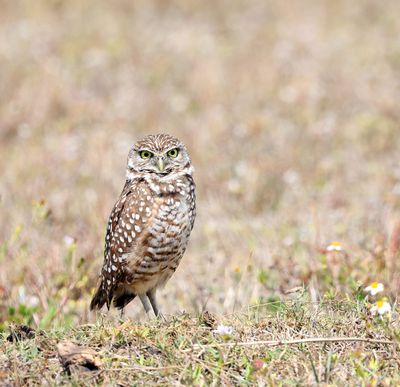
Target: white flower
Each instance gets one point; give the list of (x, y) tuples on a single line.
[(26, 299), (374, 288), (382, 307), (335, 246), (223, 330), (68, 240)]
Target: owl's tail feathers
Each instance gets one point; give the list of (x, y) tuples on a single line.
[(99, 299), (124, 299)]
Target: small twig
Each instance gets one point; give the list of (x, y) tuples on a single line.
[(63, 301), (275, 343), (144, 368)]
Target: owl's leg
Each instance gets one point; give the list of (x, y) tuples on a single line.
[(152, 297), (145, 303)]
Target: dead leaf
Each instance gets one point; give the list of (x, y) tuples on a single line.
[(208, 319), (76, 358), (20, 332), (3, 375)]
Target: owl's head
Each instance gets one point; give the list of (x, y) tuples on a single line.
[(158, 154)]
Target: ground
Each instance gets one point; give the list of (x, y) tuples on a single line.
[(290, 113), (191, 350)]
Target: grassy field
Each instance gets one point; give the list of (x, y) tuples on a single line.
[(290, 112), (187, 350)]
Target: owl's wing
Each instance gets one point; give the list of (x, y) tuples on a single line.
[(128, 218)]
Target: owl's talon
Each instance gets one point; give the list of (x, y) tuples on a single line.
[(161, 317)]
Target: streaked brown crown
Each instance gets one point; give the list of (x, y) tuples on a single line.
[(157, 142)]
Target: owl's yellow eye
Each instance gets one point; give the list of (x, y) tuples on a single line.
[(145, 154), (173, 152)]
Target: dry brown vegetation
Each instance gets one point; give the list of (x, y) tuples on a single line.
[(184, 350), (290, 112)]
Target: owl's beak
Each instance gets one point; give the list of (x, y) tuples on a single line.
[(160, 165)]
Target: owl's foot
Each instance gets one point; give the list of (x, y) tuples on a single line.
[(151, 294), (161, 317)]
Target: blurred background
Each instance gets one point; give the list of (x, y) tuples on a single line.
[(290, 112)]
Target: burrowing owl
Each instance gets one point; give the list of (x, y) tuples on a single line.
[(149, 227)]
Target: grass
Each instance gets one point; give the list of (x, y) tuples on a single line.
[(290, 113), (186, 350)]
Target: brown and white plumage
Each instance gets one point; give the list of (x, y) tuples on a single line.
[(149, 227)]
